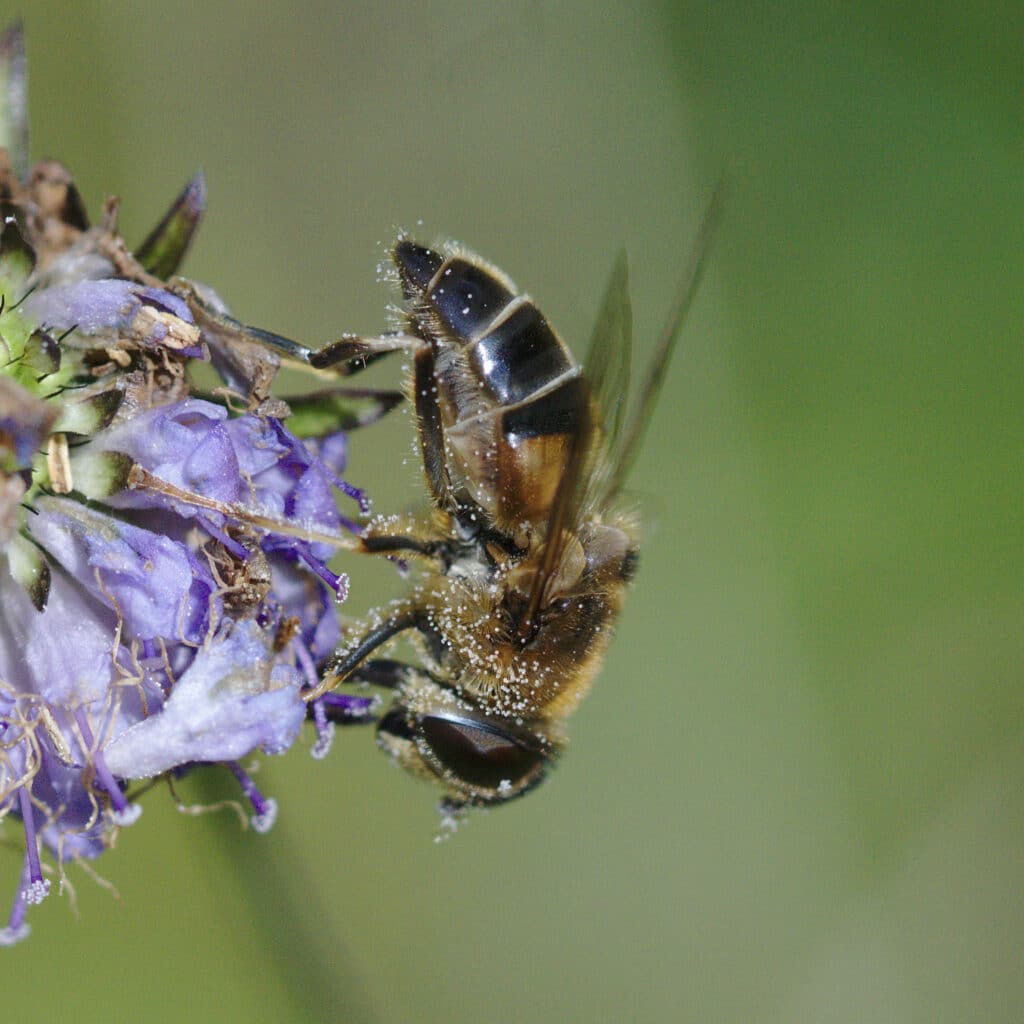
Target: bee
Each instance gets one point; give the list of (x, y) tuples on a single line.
[(526, 554)]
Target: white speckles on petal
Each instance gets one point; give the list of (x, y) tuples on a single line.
[(227, 704)]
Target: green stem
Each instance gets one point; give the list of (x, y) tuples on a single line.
[(315, 968)]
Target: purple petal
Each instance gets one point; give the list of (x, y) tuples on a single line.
[(62, 653), (77, 831), (186, 444), (159, 587), (112, 310), (305, 597), (232, 700)]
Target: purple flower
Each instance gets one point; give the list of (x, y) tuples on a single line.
[(174, 620), (164, 571), (118, 313), (159, 588)]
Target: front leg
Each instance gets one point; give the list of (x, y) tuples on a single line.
[(384, 672), (352, 353), (346, 710), (424, 537), (431, 431), (348, 660), (340, 665)]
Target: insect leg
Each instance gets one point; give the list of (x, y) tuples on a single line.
[(431, 430), (340, 665), (389, 543), (352, 353), (384, 672)]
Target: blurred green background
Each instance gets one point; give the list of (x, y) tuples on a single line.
[(796, 793)]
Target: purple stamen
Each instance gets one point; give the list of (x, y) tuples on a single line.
[(354, 708), (349, 710), (337, 583), (265, 808), (324, 731), (356, 493), (306, 664), (17, 928), (123, 813), (36, 887), (230, 544), (351, 525), (300, 451)]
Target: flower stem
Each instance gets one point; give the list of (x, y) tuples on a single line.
[(314, 967)]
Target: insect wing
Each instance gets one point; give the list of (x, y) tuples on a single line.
[(591, 456), (651, 386), (608, 359)]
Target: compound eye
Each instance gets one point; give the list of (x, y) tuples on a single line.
[(481, 755)]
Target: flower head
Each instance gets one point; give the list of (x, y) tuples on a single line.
[(164, 555)]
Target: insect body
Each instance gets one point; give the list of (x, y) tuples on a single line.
[(526, 555)]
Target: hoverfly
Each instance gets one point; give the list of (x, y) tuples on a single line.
[(525, 555)]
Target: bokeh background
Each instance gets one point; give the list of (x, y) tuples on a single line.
[(796, 793)]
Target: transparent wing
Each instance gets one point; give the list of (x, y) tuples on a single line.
[(626, 450), (607, 377), (608, 359)]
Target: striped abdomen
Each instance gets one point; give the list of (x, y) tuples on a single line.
[(511, 396)]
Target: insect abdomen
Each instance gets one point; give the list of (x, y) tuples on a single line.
[(509, 344), (519, 355), (511, 394)]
